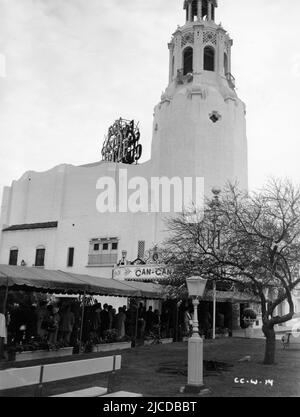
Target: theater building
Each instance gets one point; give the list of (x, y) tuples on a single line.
[(51, 219)]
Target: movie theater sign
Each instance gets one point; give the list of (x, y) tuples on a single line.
[(142, 272)]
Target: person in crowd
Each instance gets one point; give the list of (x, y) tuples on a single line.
[(228, 321), (131, 321), (104, 316), (149, 318), (3, 334), (67, 324), (141, 321), (42, 315), (220, 320), (96, 319), (110, 317), (206, 323), (187, 322), (156, 323), (156, 318), (76, 310), (120, 323), (21, 321), (12, 327), (166, 321), (114, 318), (128, 321), (32, 322), (125, 312), (53, 325), (8, 321)]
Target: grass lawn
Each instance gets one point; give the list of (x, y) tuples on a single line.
[(160, 371)]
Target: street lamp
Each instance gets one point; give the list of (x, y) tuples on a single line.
[(196, 287), (215, 205)]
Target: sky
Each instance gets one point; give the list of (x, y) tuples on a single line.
[(69, 68)]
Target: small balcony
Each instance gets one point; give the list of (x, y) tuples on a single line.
[(231, 80)]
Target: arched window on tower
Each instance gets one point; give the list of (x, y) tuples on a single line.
[(194, 9), (209, 58), (188, 60), (173, 66), (204, 10), (212, 12), (226, 70)]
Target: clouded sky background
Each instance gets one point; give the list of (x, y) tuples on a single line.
[(74, 66)]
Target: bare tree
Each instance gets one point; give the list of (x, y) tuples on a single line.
[(252, 240)]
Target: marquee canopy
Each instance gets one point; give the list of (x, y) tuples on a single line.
[(59, 282)]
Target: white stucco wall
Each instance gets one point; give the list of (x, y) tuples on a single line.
[(69, 196)]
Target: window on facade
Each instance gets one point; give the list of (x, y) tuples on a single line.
[(71, 257), (103, 252), (173, 66), (114, 246), (188, 61), (13, 257), (226, 64), (40, 257), (209, 58)]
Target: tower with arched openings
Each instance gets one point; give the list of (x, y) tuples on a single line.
[(200, 123)]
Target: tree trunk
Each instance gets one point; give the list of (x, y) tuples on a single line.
[(269, 332)]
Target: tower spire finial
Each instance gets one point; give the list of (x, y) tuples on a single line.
[(200, 9)]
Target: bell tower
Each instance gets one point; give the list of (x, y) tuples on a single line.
[(199, 125), (201, 44)]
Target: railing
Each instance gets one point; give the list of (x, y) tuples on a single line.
[(230, 79), (103, 259)]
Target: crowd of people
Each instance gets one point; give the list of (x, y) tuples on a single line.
[(128, 322), (45, 322), (223, 322), (61, 323)]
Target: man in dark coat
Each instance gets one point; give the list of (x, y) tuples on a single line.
[(149, 320), (104, 316)]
